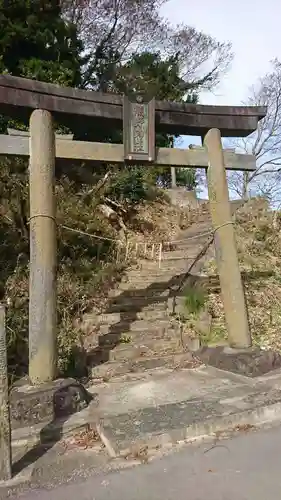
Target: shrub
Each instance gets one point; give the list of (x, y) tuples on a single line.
[(85, 264), (194, 299), (128, 186)]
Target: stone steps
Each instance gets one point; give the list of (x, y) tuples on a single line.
[(143, 336), (171, 264), (112, 369), (178, 255), (147, 324), (153, 267), (148, 327), (136, 332), (128, 316), (160, 282), (125, 304), (138, 349), (142, 294), (149, 277), (169, 267), (148, 289)]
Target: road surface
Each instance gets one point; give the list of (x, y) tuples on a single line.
[(247, 467)]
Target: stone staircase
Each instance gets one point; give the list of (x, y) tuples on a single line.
[(136, 332)]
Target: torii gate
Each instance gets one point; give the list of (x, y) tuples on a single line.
[(23, 98)]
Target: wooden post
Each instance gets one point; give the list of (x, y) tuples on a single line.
[(5, 425), (173, 177), (206, 169), (42, 291), (232, 290)]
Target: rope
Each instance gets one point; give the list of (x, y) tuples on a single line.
[(42, 215), (95, 236), (206, 233), (72, 229), (222, 225), (88, 234), (192, 237)]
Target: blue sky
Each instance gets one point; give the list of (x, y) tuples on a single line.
[(252, 26)]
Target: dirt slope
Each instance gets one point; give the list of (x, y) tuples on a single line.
[(259, 247)]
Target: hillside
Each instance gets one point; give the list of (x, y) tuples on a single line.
[(259, 247), (91, 222), (101, 237)]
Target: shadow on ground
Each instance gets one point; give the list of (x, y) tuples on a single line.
[(65, 403)]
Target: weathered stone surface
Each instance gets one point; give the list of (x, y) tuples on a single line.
[(232, 290), (188, 419), (116, 368), (203, 323), (181, 197), (192, 344), (141, 308), (171, 117), (251, 362), (59, 399), (172, 406)]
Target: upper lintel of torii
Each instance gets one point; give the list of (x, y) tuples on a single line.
[(19, 96)]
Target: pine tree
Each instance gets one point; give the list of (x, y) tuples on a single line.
[(36, 42)]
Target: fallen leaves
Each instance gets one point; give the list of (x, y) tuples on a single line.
[(83, 439), (244, 427), (138, 453)]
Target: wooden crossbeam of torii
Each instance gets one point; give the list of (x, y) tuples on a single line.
[(17, 144)]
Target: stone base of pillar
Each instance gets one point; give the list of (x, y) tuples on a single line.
[(48, 402), (251, 362)]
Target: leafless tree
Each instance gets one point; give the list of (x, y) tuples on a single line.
[(118, 28), (265, 143)]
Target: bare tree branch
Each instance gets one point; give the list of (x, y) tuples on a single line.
[(125, 27), (265, 143)]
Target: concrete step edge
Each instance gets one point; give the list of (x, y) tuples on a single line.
[(199, 431), (152, 331), (114, 317), (135, 306), (112, 368)]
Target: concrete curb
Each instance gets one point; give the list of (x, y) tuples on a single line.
[(256, 417), (46, 433), (25, 476), (53, 431)]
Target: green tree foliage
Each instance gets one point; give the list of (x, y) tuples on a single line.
[(151, 73), (35, 42), (154, 75), (128, 186), (124, 40)]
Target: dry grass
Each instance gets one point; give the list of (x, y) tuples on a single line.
[(159, 222), (259, 249), (87, 267)]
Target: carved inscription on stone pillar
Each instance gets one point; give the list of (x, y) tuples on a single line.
[(139, 129)]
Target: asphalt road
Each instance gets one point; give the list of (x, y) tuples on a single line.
[(247, 467)]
